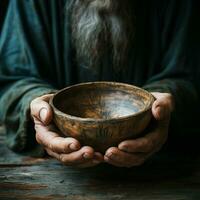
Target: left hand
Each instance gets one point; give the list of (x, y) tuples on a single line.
[(134, 152)]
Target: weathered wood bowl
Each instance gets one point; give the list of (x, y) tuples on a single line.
[(102, 114)]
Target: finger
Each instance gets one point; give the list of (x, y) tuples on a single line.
[(41, 110), (52, 154), (112, 162), (147, 144), (75, 158), (120, 158), (140, 145), (160, 112), (54, 142), (166, 98), (163, 106), (97, 159)]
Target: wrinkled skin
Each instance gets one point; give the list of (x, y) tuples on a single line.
[(129, 153)]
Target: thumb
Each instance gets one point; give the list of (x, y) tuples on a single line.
[(159, 112), (162, 106), (41, 110)]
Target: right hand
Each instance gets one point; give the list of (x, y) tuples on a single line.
[(65, 149)]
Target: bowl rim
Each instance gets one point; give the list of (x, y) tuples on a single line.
[(80, 119)]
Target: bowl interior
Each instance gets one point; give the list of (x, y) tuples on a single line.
[(102, 100)]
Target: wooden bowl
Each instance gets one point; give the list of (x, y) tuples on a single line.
[(102, 114)]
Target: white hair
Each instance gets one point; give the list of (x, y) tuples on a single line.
[(99, 25)]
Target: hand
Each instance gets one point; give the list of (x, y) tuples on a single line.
[(67, 150), (134, 152)]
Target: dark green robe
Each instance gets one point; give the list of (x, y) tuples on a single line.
[(36, 58)]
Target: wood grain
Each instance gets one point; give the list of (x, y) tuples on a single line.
[(166, 176)]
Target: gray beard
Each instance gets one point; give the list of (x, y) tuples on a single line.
[(102, 28)]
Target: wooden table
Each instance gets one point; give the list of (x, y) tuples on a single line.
[(167, 176)]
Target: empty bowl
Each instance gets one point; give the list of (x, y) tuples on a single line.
[(102, 114)]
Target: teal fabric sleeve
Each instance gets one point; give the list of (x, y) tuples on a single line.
[(179, 63), (20, 77)]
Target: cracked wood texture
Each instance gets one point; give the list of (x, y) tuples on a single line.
[(167, 176)]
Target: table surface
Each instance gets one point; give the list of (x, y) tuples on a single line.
[(167, 176)]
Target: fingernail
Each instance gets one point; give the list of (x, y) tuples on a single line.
[(86, 156), (109, 155), (43, 114), (73, 147), (106, 158)]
